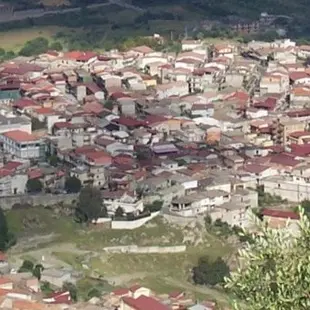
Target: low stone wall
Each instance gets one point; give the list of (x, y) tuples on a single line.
[(132, 224), (7, 202), (145, 249)]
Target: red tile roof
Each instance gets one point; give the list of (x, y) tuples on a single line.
[(129, 122), (27, 305), (268, 104), (252, 168), (12, 165), (20, 136), (299, 113), (93, 107), (281, 214), (120, 292), (294, 76), (60, 125), (118, 95), (59, 298), (99, 157), (80, 56), (144, 303), (93, 87), (238, 95), (35, 173), (142, 49), (298, 134), (84, 149), (4, 280), (300, 150), (24, 103), (5, 172), (10, 86), (153, 119), (135, 287), (284, 160), (176, 294)]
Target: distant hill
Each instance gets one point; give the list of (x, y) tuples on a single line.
[(29, 4), (243, 8)]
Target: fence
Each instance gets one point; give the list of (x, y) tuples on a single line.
[(145, 249)]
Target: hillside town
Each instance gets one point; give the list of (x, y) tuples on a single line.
[(198, 131)]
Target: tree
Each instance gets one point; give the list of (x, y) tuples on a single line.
[(27, 266), (73, 185), (274, 269), (67, 286), (305, 204), (46, 288), (94, 292), (34, 47), (210, 272), (4, 232), (56, 46), (119, 212), (90, 205), (37, 270), (34, 186), (53, 160), (154, 206)]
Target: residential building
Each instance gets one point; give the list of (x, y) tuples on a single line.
[(23, 145), (11, 122), (283, 127), (198, 203), (125, 200)]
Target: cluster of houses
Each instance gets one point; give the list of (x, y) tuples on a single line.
[(23, 291), (198, 130)]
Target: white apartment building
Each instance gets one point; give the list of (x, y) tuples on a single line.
[(22, 144), (198, 203)]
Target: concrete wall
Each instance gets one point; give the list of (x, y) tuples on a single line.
[(145, 249), (292, 191), (132, 224), (7, 202)]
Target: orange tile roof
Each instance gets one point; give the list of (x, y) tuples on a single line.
[(301, 91), (27, 305), (20, 136), (4, 280)]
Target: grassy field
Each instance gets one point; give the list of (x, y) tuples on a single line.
[(82, 248), (14, 40)]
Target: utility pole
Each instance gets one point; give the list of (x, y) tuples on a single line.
[(186, 33)]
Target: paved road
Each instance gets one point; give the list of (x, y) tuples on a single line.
[(20, 15)]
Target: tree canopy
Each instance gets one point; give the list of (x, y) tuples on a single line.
[(155, 206), (210, 272), (73, 185), (34, 47), (274, 269), (56, 46), (34, 186), (4, 232), (67, 286), (90, 206)]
